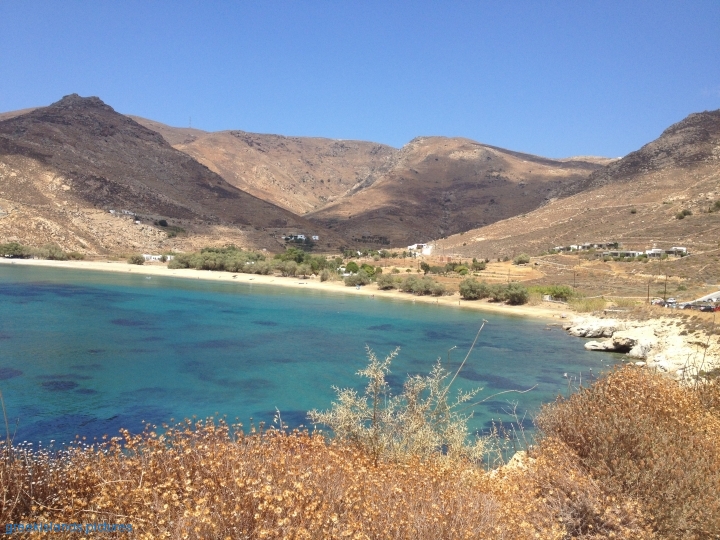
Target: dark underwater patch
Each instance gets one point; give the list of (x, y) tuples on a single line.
[(265, 323), (96, 351), (59, 376), (549, 379), (128, 322), (59, 386), (493, 381), (64, 428), (5, 335), (86, 391), (381, 327), (283, 360), (251, 385), (83, 367), (220, 344), (9, 373), (434, 335)]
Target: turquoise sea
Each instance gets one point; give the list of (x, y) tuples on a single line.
[(86, 353)]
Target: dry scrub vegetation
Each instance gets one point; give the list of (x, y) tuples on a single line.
[(634, 456)]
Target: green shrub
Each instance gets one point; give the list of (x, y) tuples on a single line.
[(557, 292), (352, 267), (303, 270), (287, 268), (324, 275), (496, 292), (422, 286), (523, 258), (438, 289), (361, 278), (472, 289), (683, 213), (368, 269), (51, 252), (479, 265), (385, 282), (136, 259), (13, 250), (516, 294)]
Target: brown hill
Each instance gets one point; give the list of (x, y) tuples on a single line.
[(433, 186), (437, 186), (635, 200), (300, 174), (62, 167)]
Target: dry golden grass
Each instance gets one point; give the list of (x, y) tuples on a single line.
[(196, 482), (642, 435), (633, 457), (587, 305)]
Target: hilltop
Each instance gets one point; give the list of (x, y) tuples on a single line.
[(439, 186), (65, 166), (635, 200)]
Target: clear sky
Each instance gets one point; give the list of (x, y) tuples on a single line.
[(554, 78)]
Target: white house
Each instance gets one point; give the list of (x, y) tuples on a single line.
[(157, 258)]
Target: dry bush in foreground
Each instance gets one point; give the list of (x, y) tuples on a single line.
[(195, 481), (632, 457), (642, 435)]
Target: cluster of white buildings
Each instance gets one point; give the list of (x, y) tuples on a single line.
[(654, 253), (420, 249), (300, 237), (613, 250)]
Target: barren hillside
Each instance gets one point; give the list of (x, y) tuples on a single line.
[(63, 167), (300, 174), (635, 200), (438, 186)]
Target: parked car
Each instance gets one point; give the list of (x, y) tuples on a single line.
[(708, 308)]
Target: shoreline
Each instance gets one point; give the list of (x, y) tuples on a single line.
[(660, 345), (545, 311)]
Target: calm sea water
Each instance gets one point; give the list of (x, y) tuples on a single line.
[(87, 353)]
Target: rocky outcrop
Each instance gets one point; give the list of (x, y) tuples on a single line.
[(658, 343), (636, 343)]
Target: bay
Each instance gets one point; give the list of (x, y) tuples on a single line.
[(86, 353)]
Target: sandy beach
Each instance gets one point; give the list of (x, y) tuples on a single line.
[(546, 310)]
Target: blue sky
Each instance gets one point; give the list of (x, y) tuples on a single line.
[(552, 78)]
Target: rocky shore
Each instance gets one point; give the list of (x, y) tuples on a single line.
[(666, 344)]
